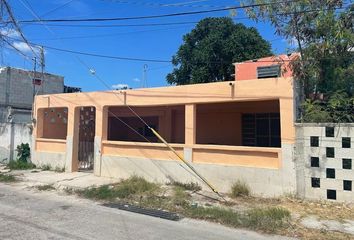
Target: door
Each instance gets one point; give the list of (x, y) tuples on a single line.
[(86, 138)]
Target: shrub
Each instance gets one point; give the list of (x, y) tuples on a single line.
[(46, 167), (239, 189), (23, 152)]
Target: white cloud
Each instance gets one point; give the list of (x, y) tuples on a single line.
[(120, 86), (23, 47), (136, 79), (8, 32)]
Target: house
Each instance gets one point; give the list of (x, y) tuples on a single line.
[(242, 129)]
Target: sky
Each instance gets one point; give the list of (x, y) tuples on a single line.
[(148, 42)]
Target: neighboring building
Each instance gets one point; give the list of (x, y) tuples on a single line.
[(17, 90), (226, 130)]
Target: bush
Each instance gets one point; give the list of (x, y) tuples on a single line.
[(239, 189), (46, 167), (23, 152)]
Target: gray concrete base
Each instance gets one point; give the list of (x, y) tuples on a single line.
[(55, 160), (262, 182), (97, 156)]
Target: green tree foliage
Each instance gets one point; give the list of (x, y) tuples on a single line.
[(323, 32), (208, 51)]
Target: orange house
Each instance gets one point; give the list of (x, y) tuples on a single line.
[(242, 129)]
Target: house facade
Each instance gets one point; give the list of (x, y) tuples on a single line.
[(228, 131)]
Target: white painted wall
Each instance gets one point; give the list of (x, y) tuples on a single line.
[(11, 135)]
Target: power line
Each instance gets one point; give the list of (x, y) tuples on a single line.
[(108, 35), (13, 20), (154, 16)]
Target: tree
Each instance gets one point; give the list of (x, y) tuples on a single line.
[(323, 31), (208, 51)]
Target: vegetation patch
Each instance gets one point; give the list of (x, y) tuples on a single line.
[(239, 189), (192, 186), (46, 167), (127, 188), (59, 169), (7, 178), (20, 165), (47, 187)]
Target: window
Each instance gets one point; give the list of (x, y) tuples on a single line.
[(37, 81), (330, 173), (347, 185), (118, 129), (314, 141), (346, 142), (331, 194), (268, 71), (329, 131), (53, 122), (347, 163), (315, 182), (261, 129), (315, 162), (330, 152)]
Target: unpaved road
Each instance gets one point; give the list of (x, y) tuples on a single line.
[(29, 214)]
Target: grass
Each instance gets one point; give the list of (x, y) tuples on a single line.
[(47, 187), (240, 189), (187, 186), (264, 219), (7, 178), (59, 169), (46, 167), (20, 165), (126, 188)]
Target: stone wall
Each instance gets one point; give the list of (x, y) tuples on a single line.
[(324, 161)]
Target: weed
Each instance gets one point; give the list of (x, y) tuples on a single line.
[(239, 189), (126, 188), (267, 219), (23, 152), (180, 197), (59, 169), (192, 186), (216, 214), (7, 178), (47, 187), (46, 167), (20, 165)]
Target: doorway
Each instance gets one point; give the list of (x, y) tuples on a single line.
[(87, 126)]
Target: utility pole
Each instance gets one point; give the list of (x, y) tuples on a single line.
[(42, 62), (145, 68), (34, 76)]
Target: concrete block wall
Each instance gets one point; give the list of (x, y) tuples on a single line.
[(17, 87), (324, 158)]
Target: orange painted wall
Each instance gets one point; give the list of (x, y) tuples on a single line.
[(221, 122), (248, 70), (53, 122)]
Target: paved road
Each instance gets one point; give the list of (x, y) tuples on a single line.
[(29, 214)]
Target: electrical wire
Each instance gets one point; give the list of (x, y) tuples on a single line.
[(158, 16), (13, 21)]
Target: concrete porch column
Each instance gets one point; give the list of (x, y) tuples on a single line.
[(72, 140), (190, 130), (100, 134)]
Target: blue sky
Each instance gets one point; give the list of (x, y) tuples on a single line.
[(153, 42)]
